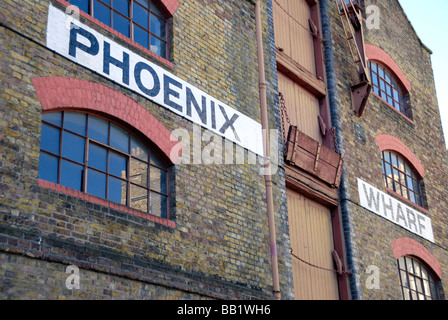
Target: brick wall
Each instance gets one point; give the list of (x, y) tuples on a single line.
[(218, 244), (371, 236)]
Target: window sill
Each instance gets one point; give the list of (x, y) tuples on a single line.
[(103, 202), (119, 35), (405, 117), (412, 204)]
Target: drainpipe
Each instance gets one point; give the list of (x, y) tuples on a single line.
[(335, 122), (266, 149)]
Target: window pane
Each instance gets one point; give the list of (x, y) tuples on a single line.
[(117, 190), (158, 47), (390, 101), (48, 167), (158, 180), (396, 96), (155, 9), (139, 198), (138, 149), (156, 161), (409, 266), (404, 279), (375, 79), (413, 199), (394, 159), (390, 183), (382, 85), (118, 164), (54, 118), (139, 172), (376, 90), (81, 4), (73, 147), (119, 138), (434, 291), (49, 140), (96, 183), (381, 71), (396, 175), (158, 205), (411, 282), (158, 27), (102, 13), (145, 3), (98, 129), (410, 183), (141, 36), (374, 67), (388, 169), (97, 157), (121, 24), (141, 16), (389, 90), (122, 6), (71, 175), (75, 122), (426, 287), (406, 295)]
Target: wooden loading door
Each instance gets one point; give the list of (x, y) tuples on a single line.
[(311, 235)]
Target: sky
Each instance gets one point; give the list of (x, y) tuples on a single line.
[(429, 19)]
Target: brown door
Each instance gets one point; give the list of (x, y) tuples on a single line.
[(292, 34), (302, 107), (311, 236)]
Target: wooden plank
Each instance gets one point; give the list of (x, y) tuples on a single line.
[(311, 239), (309, 155)]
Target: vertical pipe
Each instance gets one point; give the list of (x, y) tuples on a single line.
[(336, 122), (266, 149)]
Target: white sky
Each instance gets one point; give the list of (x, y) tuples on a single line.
[(429, 21)]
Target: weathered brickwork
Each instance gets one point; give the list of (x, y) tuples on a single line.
[(370, 236), (219, 246)]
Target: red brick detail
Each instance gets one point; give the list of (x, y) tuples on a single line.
[(169, 7), (104, 202), (61, 93), (409, 247), (376, 54), (390, 143)]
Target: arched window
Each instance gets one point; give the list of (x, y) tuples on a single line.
[(97, 156), (140, 20), (387, 87), (401, 178), (416, 281)]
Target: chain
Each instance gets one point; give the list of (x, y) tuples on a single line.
[(295, 20), (317, 267), (284, 115), (334, 140)]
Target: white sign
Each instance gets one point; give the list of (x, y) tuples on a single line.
[(395, 211), (87, 47)]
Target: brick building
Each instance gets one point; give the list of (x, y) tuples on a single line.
[(93, 103), (394, 189), (132, 158)]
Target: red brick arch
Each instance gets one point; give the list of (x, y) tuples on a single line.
[(377, 54), (58, 93), (409, 247), (390, 143)]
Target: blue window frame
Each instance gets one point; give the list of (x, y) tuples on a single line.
[(385, 86), (139, 20), (99, 157)]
